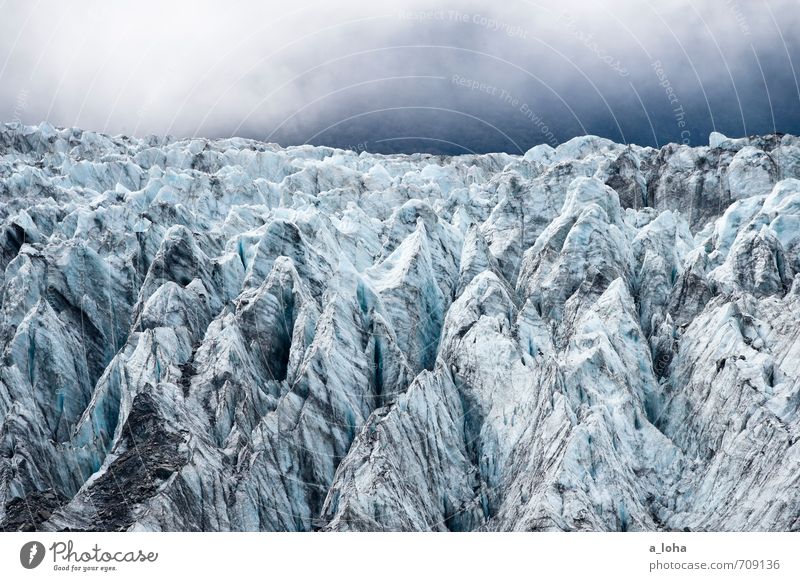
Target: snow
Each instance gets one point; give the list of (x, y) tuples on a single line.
[(245, 337)]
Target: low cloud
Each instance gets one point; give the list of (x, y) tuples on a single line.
[(385, 76)]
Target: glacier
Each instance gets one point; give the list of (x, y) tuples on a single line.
[(214, 335)]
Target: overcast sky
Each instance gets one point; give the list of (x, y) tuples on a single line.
[(446, 76)]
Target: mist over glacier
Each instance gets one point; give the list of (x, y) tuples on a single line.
[(226, 334), (405, 76)]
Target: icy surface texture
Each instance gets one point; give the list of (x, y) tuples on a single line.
[(228, 335)]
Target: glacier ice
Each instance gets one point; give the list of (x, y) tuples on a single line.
[(229, 335)]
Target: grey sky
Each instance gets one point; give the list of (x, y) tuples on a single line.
[(406, 75)]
